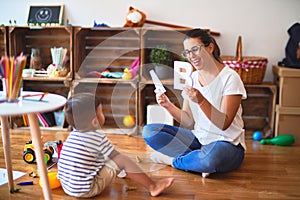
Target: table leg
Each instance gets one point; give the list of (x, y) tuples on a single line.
[(7, 154), (37, 142)]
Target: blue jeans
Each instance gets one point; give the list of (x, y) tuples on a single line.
[(188, 153)]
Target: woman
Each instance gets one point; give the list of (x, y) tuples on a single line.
[(212, 106)]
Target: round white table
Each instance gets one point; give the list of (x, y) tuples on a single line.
[(30, 106)]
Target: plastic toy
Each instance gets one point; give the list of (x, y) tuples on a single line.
[(135, 67), (280, 140), (100, 24), (127, 74), (29, 155), (128, 121), (53, 181), (49, 149), (257, 135)]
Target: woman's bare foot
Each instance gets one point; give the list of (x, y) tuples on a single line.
[(160, 158), (160, 186)]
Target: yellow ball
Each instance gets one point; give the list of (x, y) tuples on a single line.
[(53, 181), (129, 121)]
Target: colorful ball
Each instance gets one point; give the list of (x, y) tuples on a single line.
[(129, 121), (257, 135)]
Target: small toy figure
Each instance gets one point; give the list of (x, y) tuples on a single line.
[(100, 25), (127, 75), (135, 18), (134, 68)]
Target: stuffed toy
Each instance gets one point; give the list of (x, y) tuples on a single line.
[(135, 18)]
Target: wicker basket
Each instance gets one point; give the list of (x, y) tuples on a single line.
[(251, 69)]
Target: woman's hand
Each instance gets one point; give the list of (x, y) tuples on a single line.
[(194, 94), (163, 100)]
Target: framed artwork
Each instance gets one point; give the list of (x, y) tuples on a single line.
[(45, 14)]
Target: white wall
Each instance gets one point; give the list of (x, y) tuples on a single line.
[(263, 24)]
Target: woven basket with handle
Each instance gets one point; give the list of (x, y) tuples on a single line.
[(250, 68)]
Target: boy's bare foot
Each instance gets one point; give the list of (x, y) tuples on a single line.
[(160, 186)]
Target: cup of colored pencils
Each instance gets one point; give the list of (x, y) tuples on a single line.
[(11, 70)]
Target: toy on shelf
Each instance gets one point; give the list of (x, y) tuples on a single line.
[(127, 74), (280, 140), (59, 59), (137, 18), (100, 24), (134, 68)]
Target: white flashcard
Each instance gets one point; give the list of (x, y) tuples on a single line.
[(158, 85), (182, 75)]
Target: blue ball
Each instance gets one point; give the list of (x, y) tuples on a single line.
[(257, 135)]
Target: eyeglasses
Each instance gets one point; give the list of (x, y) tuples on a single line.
[(187, 53)]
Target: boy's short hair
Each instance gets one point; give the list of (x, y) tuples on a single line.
[(81, 109)]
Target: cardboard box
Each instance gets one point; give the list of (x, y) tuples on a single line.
[(288, 81), (287, 122)]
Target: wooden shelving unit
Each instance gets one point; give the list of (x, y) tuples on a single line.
[(259, 107), (112, 50), (24, 39), (3, 41), (94, 50)]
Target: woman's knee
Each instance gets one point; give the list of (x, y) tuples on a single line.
[(149, 130)]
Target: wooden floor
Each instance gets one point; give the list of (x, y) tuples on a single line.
[(268, 172)]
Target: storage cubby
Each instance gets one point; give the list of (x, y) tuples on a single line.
[(3, 44), (147, 97), (108, 50), (3, 41), (24, 39), (118, 99), (104, 49), (259, 107), (172, 39)]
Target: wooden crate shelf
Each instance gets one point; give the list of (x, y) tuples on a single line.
[(151, 38), (259, 107), (100, 49), (119, 100), (147, 97), (3, 41), (24, 39), (114, 49)]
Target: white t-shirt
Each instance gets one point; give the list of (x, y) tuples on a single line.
[(228, 82)]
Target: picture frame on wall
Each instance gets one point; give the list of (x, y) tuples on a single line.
[(45, 14)]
